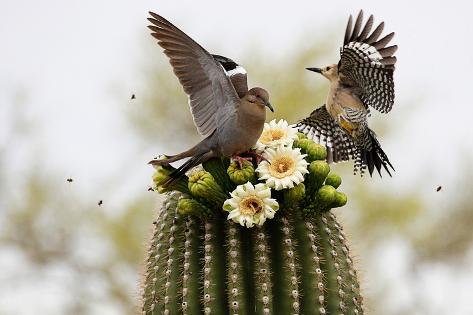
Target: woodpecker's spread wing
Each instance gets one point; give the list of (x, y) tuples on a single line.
[(366, 153), (367, 65), (323, 129), (236, 73), (201, 76)]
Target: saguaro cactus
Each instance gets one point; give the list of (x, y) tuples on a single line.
[(298, 262)]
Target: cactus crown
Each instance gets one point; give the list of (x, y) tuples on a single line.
[(252, 239)]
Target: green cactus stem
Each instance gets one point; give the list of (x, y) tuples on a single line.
[(214, 294), (286, 284), (296, 263), (175, 259), (154, 288), (191, 291), (237, 295), (293, 264), (262, 272)]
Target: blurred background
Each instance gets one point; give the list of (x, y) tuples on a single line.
[(73, 137)]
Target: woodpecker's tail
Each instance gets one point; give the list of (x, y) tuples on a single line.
[(371, 158)]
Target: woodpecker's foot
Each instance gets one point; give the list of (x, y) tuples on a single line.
[(240, 160)]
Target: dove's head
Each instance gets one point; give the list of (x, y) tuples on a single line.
[(259, 97), (330, 72)]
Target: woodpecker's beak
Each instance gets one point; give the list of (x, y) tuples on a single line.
[(318, 70), (268, 104)]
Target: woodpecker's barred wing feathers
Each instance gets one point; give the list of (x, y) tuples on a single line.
[(323, 129), (367, 64), (202, 77), (236, 73), (366, 154)]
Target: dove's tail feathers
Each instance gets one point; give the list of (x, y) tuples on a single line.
[(173, 158), (372, 158), (193, 161)]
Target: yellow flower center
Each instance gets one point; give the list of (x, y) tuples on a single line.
[(271, 135), (251, 205), (282, 166)]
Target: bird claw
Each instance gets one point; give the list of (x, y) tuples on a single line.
[(252, 155), (240, 160), (259, 158)]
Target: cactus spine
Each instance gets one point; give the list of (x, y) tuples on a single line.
[(297, 263)]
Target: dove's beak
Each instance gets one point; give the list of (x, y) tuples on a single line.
[(268, 104), (318, 70)]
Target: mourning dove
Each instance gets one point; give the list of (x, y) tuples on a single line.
[(362, 78), (231, 124)]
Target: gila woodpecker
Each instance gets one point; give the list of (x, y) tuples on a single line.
[(362, 78)]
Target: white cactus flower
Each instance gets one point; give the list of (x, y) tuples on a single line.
[(285, 167), (276, 134), (251, 205)]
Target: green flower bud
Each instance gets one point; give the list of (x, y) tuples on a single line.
[(294, 195), (162, 173), (300, 135), (325, 197), (187, 206), (333, 180), (318, 171), (203, 185), (303, 144), (241, 176), (316, 152), (340, 200), (159, 176), (218, 168)]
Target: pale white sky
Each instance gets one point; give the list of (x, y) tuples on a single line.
[(79, 61)]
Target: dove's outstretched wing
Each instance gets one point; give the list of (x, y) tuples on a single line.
[(211, 93)]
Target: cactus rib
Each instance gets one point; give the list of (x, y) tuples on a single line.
[(237, 296), (191, 277), (262, 273), (214, 268)]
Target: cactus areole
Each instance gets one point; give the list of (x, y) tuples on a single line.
[(259, 239)]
